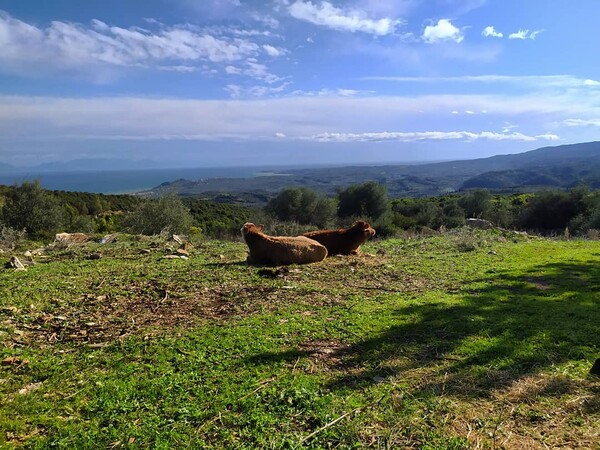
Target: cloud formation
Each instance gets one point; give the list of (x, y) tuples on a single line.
[(66, 46), (524, 34), (329, 16), (441, 32), (490, 31), (429, 136), (582, 122)]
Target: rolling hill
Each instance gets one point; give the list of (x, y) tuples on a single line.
[(560, 166)]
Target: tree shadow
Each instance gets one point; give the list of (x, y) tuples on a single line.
[(514, 326), (226, 263)]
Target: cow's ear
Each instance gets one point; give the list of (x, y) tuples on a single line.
[(260, 227)]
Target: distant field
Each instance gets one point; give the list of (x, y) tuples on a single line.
[(463, 340)]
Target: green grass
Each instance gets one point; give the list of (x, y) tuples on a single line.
[(417, 344)]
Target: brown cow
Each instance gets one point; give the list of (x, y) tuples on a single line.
[(280, 250), (343, 241)]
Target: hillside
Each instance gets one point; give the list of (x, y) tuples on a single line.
[(560, 166), (462, 340)]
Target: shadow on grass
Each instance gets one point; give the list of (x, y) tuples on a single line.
[(487, 339), (227, 263)]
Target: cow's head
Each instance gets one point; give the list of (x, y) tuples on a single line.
[(364, 228)]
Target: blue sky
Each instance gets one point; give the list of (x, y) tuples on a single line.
[(248, 82)]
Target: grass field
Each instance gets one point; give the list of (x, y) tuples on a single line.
[(464, 340)]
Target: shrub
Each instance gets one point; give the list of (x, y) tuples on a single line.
[(32, 208), (365, 200), (10, 238), (167, 214), (302, 205), (476, 203)]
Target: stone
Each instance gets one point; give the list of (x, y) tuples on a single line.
[(71, 238), (479, 223), (15, 263)]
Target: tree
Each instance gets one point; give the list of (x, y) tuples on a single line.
[(549, 210), (302, 205), (34, 209), (365, 200), (153, 216), (476, 203)]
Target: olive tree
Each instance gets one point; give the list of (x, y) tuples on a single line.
[(32, 208), (154, 216), (364, 200)]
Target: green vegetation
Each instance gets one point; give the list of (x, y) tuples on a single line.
[(42, 213), (304, 206), (165, 214), (466, 339)]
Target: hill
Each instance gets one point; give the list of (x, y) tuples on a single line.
[(426, 345), (560, 166)]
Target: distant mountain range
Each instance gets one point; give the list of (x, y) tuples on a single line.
[(82, 165), (549, 167)]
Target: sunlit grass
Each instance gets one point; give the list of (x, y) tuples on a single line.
[(419, 343)]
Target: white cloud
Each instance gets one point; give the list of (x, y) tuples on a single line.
[(329, 16), (428, 136), (259, 71), (524, 34), (65, 46), (232, 70), (273, 51), (490, 31), (442, 31), (250, 118), (582, 122), (508, 127), (537, 81)]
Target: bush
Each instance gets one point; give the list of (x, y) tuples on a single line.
[(302, 205), (550, 211), (365, 200), (476, 203), (32, 208), (167, 214), (10, 238)]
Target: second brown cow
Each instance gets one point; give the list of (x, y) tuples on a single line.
[(343, 241)]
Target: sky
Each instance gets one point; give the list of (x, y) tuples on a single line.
[(197, 83)]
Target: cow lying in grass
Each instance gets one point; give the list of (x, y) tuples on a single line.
[(343, 241), (280, 250)]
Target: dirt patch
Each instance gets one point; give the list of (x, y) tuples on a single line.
[(326, 352), (539, 283), (116, 307)]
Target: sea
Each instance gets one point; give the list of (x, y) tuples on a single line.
[(125, 181)]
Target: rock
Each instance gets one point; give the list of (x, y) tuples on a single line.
[(71, 238), (28, 254), (93, 256), (170, 257), (15, 263), (479, 223), (108, 239), (145, 251), (183, 252), (595, 370), (179, 239)]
